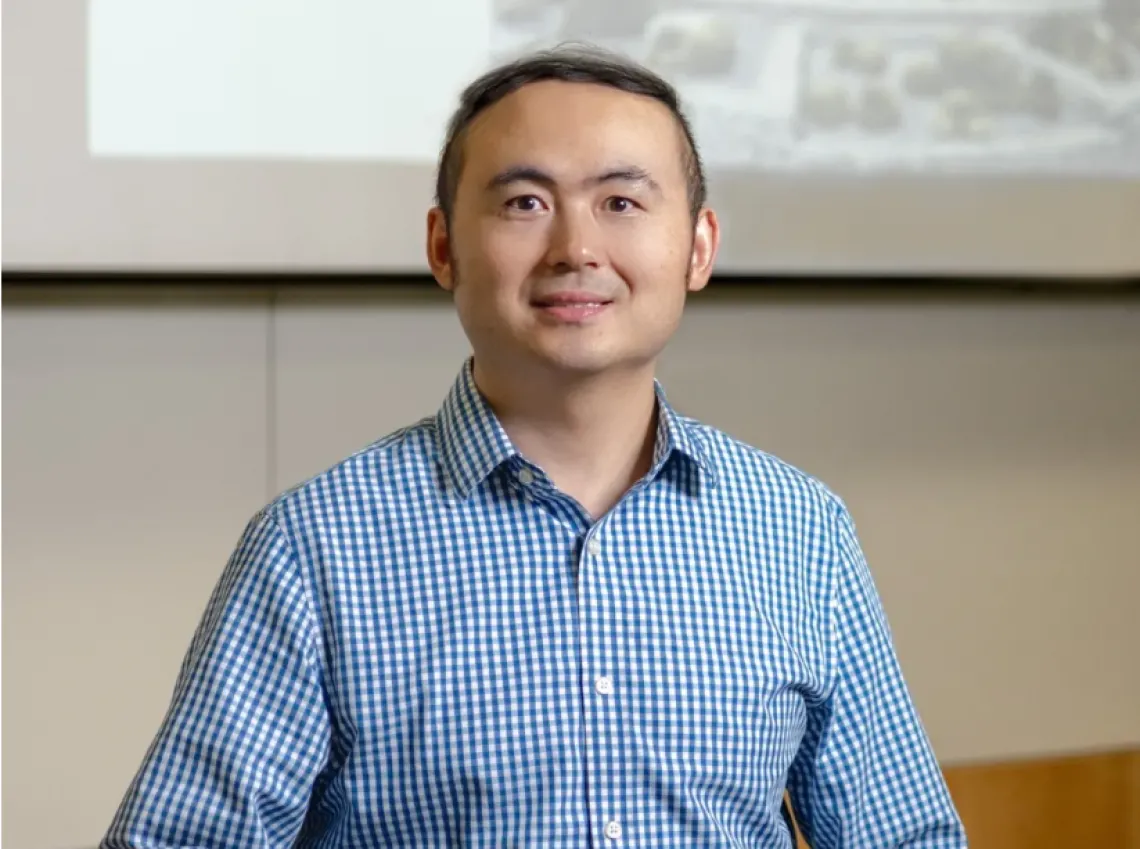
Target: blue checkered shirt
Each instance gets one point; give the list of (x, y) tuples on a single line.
[(429, 645)]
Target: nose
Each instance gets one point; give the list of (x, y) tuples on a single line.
[(574, 241)]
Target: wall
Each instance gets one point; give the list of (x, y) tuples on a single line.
[(988, 448)]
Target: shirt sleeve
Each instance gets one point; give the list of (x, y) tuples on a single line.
[(247, 731), (866, 774)]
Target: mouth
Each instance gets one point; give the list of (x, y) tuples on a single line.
[(571, 310)]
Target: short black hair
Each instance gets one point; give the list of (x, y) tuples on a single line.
[(575, 63)]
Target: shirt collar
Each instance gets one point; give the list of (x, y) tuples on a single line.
[(473, 443)]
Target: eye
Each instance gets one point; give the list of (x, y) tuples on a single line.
[(525, 203), (620, 204)]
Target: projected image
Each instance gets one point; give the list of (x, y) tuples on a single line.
[(831, 86), (877, 85)]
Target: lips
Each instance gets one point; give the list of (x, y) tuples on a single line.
[(571, 307), (549, 304), (572, 300)]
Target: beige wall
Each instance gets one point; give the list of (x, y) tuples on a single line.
[(989, 450)]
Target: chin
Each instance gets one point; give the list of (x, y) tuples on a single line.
[(585, 362), (578, 365)]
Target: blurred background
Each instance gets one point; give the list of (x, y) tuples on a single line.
[(929, 297)]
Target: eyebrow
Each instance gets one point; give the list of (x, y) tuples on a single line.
[(532, 174)]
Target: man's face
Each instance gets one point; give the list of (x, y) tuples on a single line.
[(571, 245)]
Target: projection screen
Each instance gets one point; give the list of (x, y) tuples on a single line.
[(841, 136)]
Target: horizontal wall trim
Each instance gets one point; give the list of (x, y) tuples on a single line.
[(28, 285)]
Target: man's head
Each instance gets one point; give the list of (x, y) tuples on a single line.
[(570, 219)]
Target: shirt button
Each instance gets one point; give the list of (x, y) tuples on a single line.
[(613, 829), (604, 685), (594, 547), (526, 477)]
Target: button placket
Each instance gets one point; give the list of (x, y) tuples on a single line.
[(599, 715)]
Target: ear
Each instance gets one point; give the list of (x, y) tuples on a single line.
[(706, 243), (439, 249)]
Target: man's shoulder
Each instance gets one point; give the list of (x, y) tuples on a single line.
[(750, 472), (398, 455)]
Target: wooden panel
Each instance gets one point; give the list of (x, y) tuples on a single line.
[(1083, 800), (1134, 801), (1088, 800)]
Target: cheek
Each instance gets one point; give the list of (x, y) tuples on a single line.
[(659, 239), (487, 286), (513, 248), (654, 261)]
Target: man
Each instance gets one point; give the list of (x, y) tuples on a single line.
[(558, 613)]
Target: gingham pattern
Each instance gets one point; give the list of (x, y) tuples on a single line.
[(406, 651)]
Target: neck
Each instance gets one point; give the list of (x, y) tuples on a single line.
[(593, 436)]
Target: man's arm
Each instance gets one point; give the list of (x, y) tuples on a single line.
[(866, 775), (247, 732)]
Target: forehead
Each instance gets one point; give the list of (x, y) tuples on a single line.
[(573, 129)]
